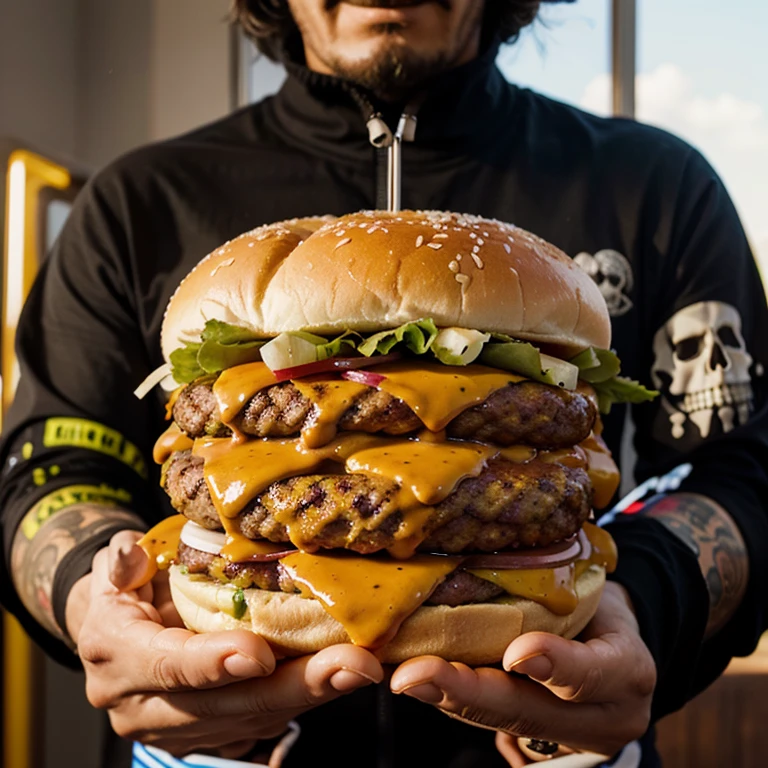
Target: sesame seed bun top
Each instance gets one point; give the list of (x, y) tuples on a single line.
[(373, 270)]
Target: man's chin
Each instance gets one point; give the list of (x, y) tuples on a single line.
[(391, 71)]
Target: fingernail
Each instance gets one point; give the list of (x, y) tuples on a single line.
[(426, 692), (242, 665), (538, 666), (349, 679)]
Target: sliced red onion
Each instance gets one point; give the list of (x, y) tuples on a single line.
[(369, 378), (333, 364), (561, 553)]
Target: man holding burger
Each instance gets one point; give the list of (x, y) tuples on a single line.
[(685, 595)]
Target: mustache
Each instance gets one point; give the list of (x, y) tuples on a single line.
[(387, 3)]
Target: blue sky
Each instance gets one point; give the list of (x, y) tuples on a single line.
[(703, 74)]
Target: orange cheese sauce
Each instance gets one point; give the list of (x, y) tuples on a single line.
[(236, 386), (555, 588), (438, 393), (161, 544), (426, 472), (331, 398), (172, 440), (370, 597)]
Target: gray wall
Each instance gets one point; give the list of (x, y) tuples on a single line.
[(90, 79)]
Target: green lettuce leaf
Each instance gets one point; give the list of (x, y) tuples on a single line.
[(184, 365), (620, 389), (221, 346), (512, 355), (525, 359), (596, 365), (417, 336)]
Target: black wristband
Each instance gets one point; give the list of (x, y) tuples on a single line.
[(671, 601), (73, 566)]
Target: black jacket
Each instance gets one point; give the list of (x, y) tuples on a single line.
[(639, 208)]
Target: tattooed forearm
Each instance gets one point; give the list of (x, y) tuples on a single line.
[(36, 557), (709, 531)]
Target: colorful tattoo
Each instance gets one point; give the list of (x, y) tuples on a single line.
[(709, 531), (34, 559)]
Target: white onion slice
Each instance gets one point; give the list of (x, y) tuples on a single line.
[(197, 537), (152, 380)]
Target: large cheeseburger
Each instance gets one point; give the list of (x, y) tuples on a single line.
[(385, 430)]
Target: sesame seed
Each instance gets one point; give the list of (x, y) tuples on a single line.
[(475, 249), (251, 245), (463, 279), (458, 257), (435, 246), (340, 233), (225, 263), (343, 242), (480, 241), (453, 266), (478, 261), (507, 248), (473, 235), (419, 241), (439, 235), (373, 229)]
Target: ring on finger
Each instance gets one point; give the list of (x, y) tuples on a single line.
[(539, 750)]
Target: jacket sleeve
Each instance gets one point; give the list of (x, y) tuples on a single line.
[(706, 351), (75, 432)]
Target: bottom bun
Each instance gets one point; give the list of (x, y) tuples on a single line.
[(293, 625)]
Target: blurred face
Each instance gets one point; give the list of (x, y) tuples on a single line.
[(389, 46)]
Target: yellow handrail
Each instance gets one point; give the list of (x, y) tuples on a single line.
[(28, 174)]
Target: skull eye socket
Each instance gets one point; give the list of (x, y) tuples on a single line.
[(727, 335), (686, 349)]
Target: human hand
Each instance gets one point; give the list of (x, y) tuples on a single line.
[(593, 694), (168, 687)]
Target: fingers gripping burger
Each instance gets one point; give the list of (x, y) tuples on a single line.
[(386, 431)]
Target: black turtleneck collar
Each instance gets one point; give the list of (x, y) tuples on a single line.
[(458, 112)]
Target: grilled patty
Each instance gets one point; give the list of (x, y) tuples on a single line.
[(509, 504), (458, 588), (526, 412)]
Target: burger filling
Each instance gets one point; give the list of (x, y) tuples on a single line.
[(524, 412)]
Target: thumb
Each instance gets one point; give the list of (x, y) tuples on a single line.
[(128, 565)]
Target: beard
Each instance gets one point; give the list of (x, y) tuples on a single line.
[(394, 71)]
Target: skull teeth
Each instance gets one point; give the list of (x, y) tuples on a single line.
[(715, 397)]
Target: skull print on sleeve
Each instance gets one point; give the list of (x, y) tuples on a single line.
[(702, 368)]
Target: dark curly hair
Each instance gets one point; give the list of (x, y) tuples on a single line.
[(269, 22)]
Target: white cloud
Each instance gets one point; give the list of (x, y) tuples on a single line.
[(731, 132)]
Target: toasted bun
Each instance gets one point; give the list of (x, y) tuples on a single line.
[(374, 270), (293, 625)]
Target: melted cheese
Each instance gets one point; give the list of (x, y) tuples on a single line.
[(437, 393), (331, 398), (555, 588), (426, 473), (236, 386), (369, 596), (172, 440), (602, 470), (161, 543)]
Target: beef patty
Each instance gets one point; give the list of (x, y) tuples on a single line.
[(509, 504), (458, 588), (525, 412)]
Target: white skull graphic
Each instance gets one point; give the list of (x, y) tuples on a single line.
[(612, 273), (702, 367)]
